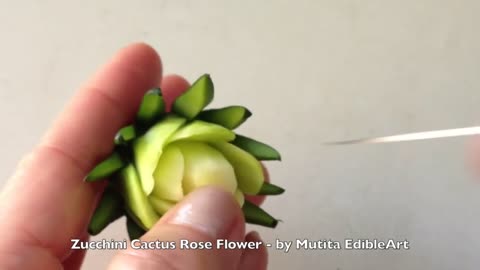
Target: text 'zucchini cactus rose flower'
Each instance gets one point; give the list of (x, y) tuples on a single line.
[(164, 156)]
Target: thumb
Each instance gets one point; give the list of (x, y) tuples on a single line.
[(205, 215)]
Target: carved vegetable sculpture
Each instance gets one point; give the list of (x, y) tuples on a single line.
[(164, 156)]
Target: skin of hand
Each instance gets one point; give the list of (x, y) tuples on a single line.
[(46, 203)]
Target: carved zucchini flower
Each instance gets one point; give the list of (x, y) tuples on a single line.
[(162, 157)]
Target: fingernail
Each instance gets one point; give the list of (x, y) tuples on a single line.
[(209, 209)]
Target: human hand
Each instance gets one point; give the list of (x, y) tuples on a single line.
[(46, 203)]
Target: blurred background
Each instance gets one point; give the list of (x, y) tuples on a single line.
[(311, 72)]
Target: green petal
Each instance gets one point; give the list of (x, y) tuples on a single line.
[(248, 170), (135, 199), (148, 149), (169, 175), (203, 131), (197, 97), (205, 166), (229, 117), (160, 205), (151, 108), (259, 150), (134, 231), (106, 168), (270, 189), (109, 209), (256, 215)]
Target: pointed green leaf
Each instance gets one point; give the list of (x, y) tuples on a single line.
[(256, 215), (151, 108), (109, 209), (106, 168), (270, 189), (125, 135), (229, 117), (135, 199), (259, 150), (197, 97)]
